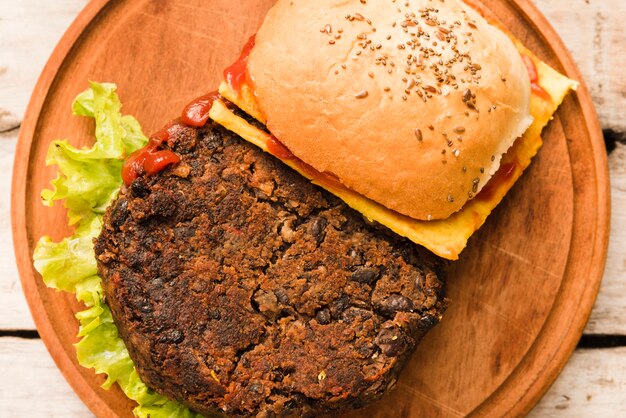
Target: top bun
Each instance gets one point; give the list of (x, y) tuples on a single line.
[(410, 106)]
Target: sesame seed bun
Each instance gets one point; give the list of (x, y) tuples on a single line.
[(412, 107)]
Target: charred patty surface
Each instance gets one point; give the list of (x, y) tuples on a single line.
[(240, 287)]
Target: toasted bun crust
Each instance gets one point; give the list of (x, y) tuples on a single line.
[(411, 107)]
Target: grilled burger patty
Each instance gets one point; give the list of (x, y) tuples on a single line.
[(238, 286)]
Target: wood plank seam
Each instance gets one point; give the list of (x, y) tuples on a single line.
[(596, 341), (23, 334), (612, 138)]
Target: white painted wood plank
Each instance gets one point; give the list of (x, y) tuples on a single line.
[(32, 386), (13, 309), (593, 384), (29, 30), (593, 31), (609, 313)]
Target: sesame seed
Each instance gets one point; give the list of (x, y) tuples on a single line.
[(475, 184), (362, 94)]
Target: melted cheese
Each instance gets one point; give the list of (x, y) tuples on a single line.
[(447, 237)]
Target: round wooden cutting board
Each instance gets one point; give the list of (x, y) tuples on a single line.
[(519, 296)]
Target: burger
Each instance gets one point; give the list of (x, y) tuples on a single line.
[(281, 248), (420, 115)]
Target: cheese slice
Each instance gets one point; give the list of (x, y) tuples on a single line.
[(447, 237)]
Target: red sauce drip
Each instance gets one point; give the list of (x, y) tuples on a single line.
[(166, 131), (196, 113), (237, 74), (322, 178), (504, 173), (540, 91), (158, 160), (277, 149), (534, 78), (150, 159)]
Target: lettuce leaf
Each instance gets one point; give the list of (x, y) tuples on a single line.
[(89, 180)]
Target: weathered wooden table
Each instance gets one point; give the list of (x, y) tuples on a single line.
[(593, 383)]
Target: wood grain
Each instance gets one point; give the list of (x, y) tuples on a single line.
[(591, 385), (609, 314), (30, 373), (518, 316)]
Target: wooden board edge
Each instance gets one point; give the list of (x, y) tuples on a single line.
[(502, 402), (28, 276)]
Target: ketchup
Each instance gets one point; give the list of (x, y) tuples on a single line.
[(277, 149), (280, 151), (237, 74), (504, 173), (534, 78), (150, 159), (196, 113)]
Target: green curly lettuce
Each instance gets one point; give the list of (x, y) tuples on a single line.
[(89, 180)]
